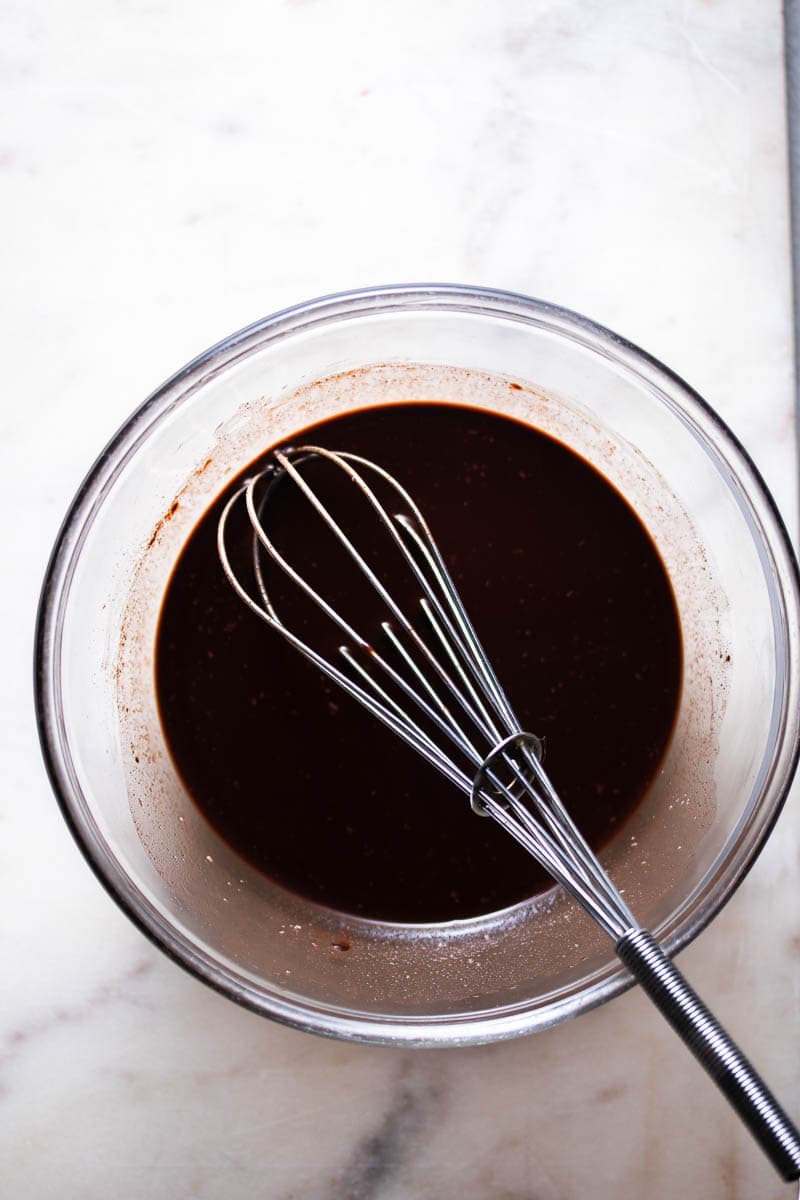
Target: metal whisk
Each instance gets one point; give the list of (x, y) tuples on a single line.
[(433, 685)]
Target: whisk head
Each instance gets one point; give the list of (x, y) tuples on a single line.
[(420, 668)]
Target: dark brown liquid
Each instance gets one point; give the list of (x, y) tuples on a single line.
[(573, 606)]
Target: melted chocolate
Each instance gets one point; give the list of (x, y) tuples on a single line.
[(574, 608)]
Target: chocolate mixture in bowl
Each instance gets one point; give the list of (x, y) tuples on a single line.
[(572, 603)]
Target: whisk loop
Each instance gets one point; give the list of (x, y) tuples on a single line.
[(439, 693), (446, 678)]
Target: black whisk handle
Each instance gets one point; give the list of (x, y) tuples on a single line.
[(711, 1046)]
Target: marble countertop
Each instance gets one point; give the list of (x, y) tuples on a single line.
[(170, 173)]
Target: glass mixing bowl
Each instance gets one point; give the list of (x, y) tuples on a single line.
[(679, 858)]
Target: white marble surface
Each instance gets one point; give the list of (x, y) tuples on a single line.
[(171, 172)]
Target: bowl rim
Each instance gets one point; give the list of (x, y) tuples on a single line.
[(754, 497)]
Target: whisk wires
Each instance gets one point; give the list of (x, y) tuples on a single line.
[(438, 692)]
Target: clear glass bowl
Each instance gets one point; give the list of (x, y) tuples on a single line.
[(702, 824)]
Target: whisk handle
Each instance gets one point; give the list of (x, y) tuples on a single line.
[(711, 1046)]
